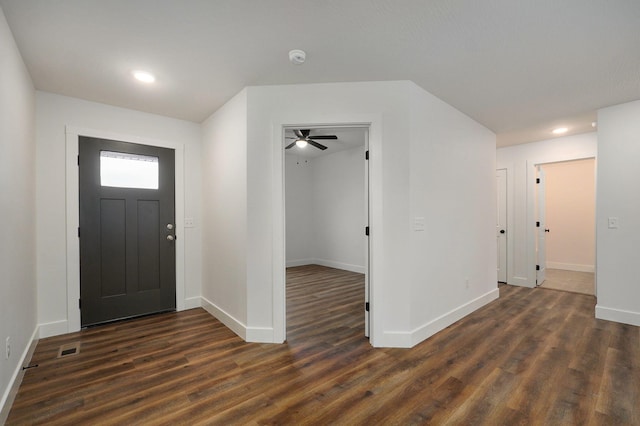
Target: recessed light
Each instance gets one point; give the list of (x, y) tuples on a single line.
[(144, 76), (560, 130)]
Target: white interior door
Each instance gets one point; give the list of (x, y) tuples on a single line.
[(501, 224), (540, 227)]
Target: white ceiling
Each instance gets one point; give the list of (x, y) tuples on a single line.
[(517, 66)]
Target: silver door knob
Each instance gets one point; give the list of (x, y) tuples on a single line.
[(170, 237), (169, 226)]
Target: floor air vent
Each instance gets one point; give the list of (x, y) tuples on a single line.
[(69, 349)]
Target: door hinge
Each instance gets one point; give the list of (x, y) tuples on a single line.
[(79, 303), (537, 267), (366, 306), (537, 224), (366, 230), (537, 180), (366, 155)]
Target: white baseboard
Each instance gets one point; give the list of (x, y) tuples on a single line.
[(402, 339), (54, 328), (260, 335), (328, 263), (236, 326), (571, 267), (11, 391), (299, 262), (248, 334), (192, 302), (394, 339), (57, 328), (432, 327), (339, 265), (618, 315)]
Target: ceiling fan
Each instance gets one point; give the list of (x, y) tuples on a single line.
[(303, 138)]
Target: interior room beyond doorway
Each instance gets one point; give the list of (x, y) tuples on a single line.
[(326, 207), (570, 225)]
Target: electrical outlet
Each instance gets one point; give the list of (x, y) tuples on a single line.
[(7, 352)]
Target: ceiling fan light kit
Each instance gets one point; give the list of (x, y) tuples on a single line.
[(303, 138)]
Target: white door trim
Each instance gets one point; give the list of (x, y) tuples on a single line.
[(73, 215), (502, 239), (278, 125)]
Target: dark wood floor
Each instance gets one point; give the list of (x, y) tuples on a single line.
[(534, 356)]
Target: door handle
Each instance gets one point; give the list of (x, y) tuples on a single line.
[(170, 237)]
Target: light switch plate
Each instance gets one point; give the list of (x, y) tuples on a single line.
[(418, 224), (613, 222)]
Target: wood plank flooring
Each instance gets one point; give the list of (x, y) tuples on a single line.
[(534, 356)]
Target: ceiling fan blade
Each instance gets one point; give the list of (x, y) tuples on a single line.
[(316, 144), (298, 133), (290, 145), (326, 137)]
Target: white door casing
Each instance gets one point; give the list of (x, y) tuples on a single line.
[(541, 258), (374, 267), (72, 322), (366, 245), (501, 224)]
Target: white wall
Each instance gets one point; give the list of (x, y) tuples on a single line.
[(520, 162), (224, 281), (396, 112), (384, 105), (618, 178), (326, 210), (570, 204), (452, 187), (55, 113), (18, 316), (299, 211)]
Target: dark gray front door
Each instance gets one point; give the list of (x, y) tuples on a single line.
[(127, 230)]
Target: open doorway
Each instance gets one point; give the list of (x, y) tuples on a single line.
[(566, 226), (327, 249)]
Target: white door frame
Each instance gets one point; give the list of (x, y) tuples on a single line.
[(278, 125), (531, 174), (503, 239), (366, 214), (73, 216), (541, 224)]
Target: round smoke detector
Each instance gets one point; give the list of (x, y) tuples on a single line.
[(297, 56)]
